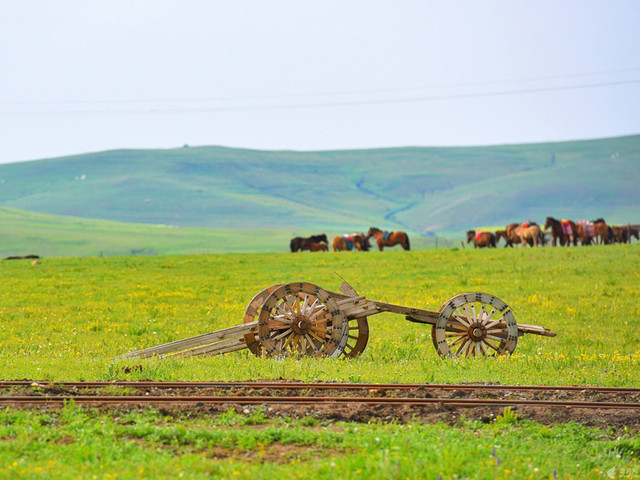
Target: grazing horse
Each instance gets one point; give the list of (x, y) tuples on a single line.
[(298, 242), (315, 247), (481, 239), (564, 230), (348, 241), (389, 239), (529, 235), (633, 232)]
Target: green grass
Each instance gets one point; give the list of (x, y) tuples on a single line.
[(24, 232), (419, 190), (84, 443), (67, 319)]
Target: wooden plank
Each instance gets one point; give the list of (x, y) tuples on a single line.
[(218, 348), (192, 342)]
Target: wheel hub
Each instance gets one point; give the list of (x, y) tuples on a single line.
[(477, 332), (301, 325)]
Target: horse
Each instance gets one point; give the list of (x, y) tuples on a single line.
[(315, 247), (633, 232), (620, 234), (481, 239), (388, 239), (298, 242), (512, 237), (502, 234), (348, 241), (529, 235), (603, 234), (565, 230)]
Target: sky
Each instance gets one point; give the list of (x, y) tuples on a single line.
[(81, 76)]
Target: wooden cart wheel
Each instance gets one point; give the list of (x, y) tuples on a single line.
[(302, 319), (358, 326), (474, 324), (357, 343), (250, 315)]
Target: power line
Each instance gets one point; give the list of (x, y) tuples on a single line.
[(346, 103), (316, 94)]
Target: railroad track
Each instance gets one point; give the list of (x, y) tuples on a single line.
[(298, 393), (202, 400), (318, 385)]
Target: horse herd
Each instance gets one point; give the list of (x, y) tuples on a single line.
[(352, 241), (563, 232)]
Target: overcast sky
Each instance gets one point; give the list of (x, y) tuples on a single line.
[(89, 75)]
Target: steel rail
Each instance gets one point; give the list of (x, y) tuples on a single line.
[(303, 400), (315, 385)]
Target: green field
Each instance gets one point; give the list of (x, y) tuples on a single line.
[(68, 318), (24, 232)]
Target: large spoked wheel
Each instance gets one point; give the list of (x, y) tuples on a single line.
[(302, 319), (475, 324), (250, 315)]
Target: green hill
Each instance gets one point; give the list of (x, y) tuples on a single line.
[(424, 191)]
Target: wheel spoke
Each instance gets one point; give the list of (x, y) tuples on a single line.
[(493, 337), (464, 325), (455, 334), (492, 345), (311, 342)]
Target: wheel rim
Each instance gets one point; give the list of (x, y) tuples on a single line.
[(250, 315), (302, 319), (358, 342), (475, 324)]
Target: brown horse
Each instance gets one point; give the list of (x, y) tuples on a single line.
[(564, 230), (315, 247), (603, 234), (512, 237), (389, 239), (502, 234), (298, 242), (347, 242), (620, 234), (481, 239), (529, 235), (586, 232)]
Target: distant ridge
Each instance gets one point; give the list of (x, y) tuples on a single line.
[(426, 191)]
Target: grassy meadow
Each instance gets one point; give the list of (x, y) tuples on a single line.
[(68, 318), (25, 232)]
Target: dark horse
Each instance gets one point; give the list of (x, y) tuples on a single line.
[(560, 232), (299, 242), (481, 239), (388, 239)]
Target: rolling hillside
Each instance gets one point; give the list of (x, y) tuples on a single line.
[(425, 191)]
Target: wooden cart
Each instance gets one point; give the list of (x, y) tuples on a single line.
[(303, 319)]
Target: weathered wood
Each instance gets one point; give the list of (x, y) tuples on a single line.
[(218, 348), (192, 342)]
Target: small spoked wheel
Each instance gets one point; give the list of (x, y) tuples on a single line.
[(302, 319), (475, 324), (358, 337)]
